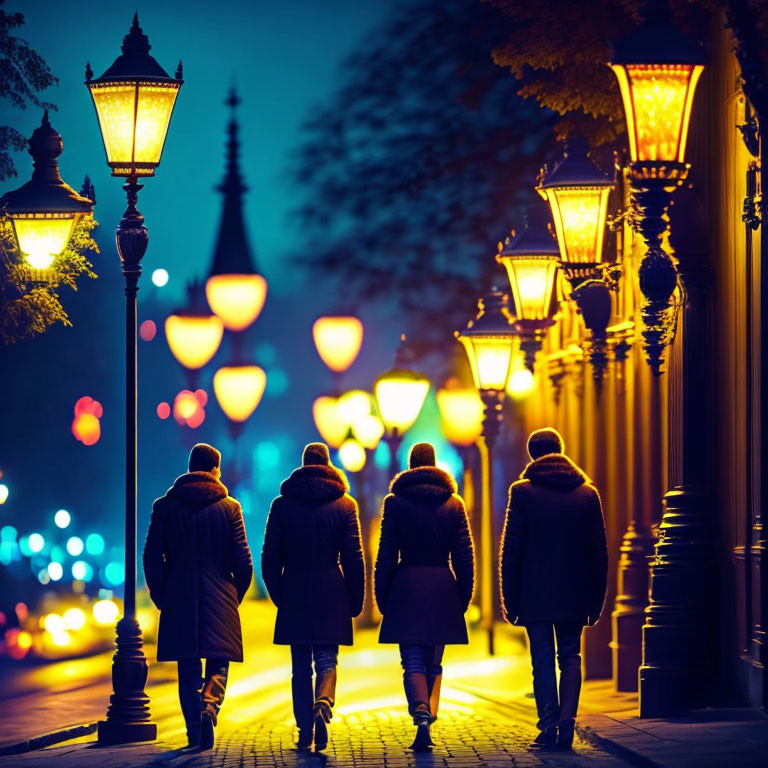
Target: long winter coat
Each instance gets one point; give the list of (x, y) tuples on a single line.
[(198, 568), (554, 559), (424, 528), (312, 561)]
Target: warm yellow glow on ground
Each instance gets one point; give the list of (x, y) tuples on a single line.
[(461, 410), (193, 339), (41, 238), (338, 340), (239, 389), (579, 215), (330, 425), (352, 455), (489, 358), (657, 104), (532, 281), (368, 430), (134, 121), (236, 299), (400, 396)]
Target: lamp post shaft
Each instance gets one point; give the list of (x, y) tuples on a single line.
[(128, 716), (393, 440)]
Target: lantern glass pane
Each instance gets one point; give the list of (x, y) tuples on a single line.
[(236, 299), (489, 359), (462, 415), (657, 102), (193, 340), (115, 106), (579, 215), (338, 341), (532, 281), (239, 389), (400, 396), (152, 118), (42, 237)]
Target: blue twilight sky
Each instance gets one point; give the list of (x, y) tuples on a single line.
[(285, 58)]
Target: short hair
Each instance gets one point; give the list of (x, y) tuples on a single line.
[(543, 442), (204, 458), (421, 455)]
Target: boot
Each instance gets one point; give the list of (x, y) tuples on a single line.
[(422, 718), (547, 739), (212, 697), (322, 711), (565, 734), (305, 739), (434, 683), (206, 731)]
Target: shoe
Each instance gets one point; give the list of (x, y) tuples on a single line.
[(547, 739), (565, 735), (305, 739), (206, 732), (322, 713), (193, 738), (423, 741)]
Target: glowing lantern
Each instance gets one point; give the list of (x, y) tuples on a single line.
[(400, 394), (330, 425), (338, 339), (239, 389), (236, 299), (577, 192), (461, 410), (489, 340), (352, 455), (134, 101), (193, 333), (368, 430), (521, 382), (45, 210), (657, 68), (353, 405)]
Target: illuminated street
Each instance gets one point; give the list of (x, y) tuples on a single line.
[(486, 713)]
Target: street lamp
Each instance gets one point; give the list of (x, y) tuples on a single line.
[(238, 390), (657, 68), (236, 291), (352, 455), (461, 411), (330, 425), (338, 339), (489, 341), (577, 192), (531, 260), (134, 100), (400, 394), (44, 211), (193, 333)]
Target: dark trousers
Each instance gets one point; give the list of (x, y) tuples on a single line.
[(551, 708), (421, 665), (197, 694), (326, 658)]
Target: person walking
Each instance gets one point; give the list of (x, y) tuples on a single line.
[(312, 564), (198, 568), (553, 572), (424, 579)]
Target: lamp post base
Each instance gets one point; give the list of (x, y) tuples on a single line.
[(128, 714)]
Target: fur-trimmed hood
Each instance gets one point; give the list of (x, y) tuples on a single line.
[(429, 485), (555, 470), (318, 483), (200, 489)]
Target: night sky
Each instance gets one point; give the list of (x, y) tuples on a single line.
[(284, 58)]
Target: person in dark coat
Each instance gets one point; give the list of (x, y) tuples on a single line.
[(312, 564), (424, 579), (553, 572), (198, 568)]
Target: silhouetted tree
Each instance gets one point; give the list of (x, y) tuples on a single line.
[(418, 165)]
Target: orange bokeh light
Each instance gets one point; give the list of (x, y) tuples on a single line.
[(147, 330)]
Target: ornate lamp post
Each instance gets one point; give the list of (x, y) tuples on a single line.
[(338, 339), (236, 291), (193, 333), (400, 394), (44, 211), (489, 341), (657, 69), (531, 260), (134, 101)]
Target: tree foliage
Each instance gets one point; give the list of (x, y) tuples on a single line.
[(23, 74), (29, 301), (418, 164)]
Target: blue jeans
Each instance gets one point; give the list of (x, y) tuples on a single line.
[(421, 665), (551, 708), (326, 658)]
